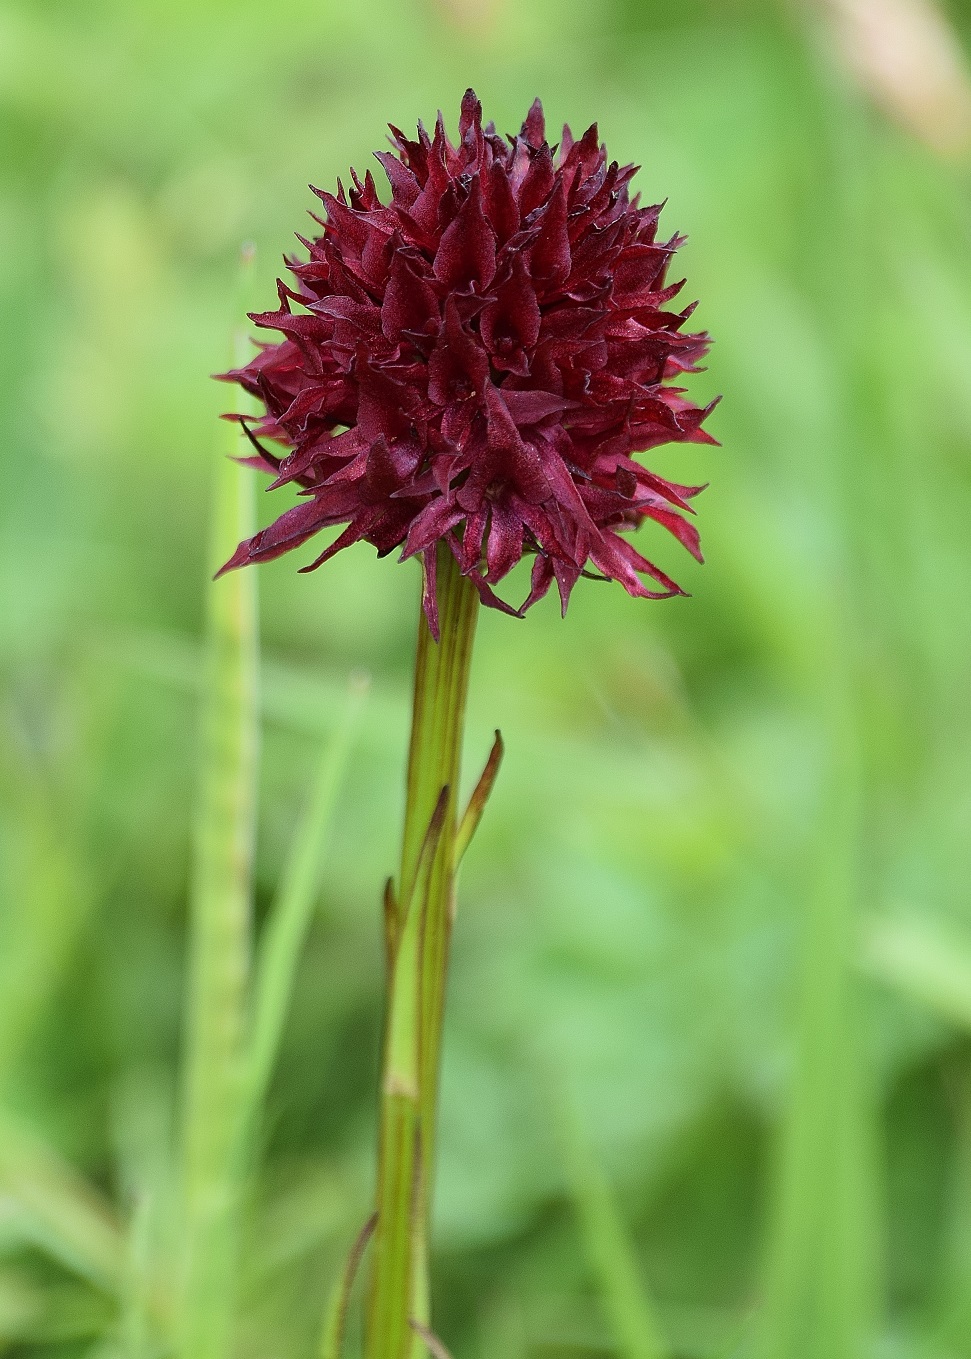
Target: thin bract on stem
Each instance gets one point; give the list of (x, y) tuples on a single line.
[(419, 923)]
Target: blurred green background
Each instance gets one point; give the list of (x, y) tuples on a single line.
[(708, 1067)]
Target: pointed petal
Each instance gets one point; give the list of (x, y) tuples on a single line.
[(467, 253), (550, 256), (290, 530), (534, 128), (505, 545)]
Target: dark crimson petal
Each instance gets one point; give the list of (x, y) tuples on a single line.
[(467, 252), (550, 256), (505, 546), (519, 162), (638, 271), (258, 463), (500, 203), (364, 197), (619, 560), (543, 522), (410, 302), (414, 154), (363, 315), (545, 571), (388, 529), (352, 534), (290, 530), (383, 403), (534, 128), (458, 367), (376, 261), (538, 184), (685, 532), (512, 320), (541, 579), (486, 594), (567, 495), (457, 421), (350, 225), (470, 118), (404, 183), (302, 327), (528, 407), (475, 527), (434, 521), (585, 154), (385, 470), (567, 576), (513, 460)]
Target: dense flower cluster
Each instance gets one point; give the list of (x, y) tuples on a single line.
[(477, 361)]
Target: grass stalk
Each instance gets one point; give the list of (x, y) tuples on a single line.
[(816, 1303), (819, 1299), (220, 935), (608, 1243), (283, 934)]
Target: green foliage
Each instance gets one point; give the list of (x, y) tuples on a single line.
[(612, 1253), (723, 876)]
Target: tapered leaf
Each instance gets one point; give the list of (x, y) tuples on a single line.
[(435, 1346), (51, 1207), (477, 802), (333, 1339)]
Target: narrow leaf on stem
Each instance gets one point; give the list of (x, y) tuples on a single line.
[(336, 1323), (477, 802), (390, 904), (402, 1074), (435, 1346)]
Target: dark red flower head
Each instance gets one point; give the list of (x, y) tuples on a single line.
[(477, 362)]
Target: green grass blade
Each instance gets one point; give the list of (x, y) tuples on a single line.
[(608, 1243), (953, 1302), (55, 1210), (136, 1321), (818, 1272), (142, 1112), (820, 1287), (930, 962), (286, 927), (51, 896), (218, 993), (925, 960)]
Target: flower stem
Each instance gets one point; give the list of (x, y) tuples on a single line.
[(419, 923)]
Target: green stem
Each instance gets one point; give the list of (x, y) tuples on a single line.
[(419, 931)]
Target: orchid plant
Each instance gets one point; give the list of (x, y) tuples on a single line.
[(465, 375)]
